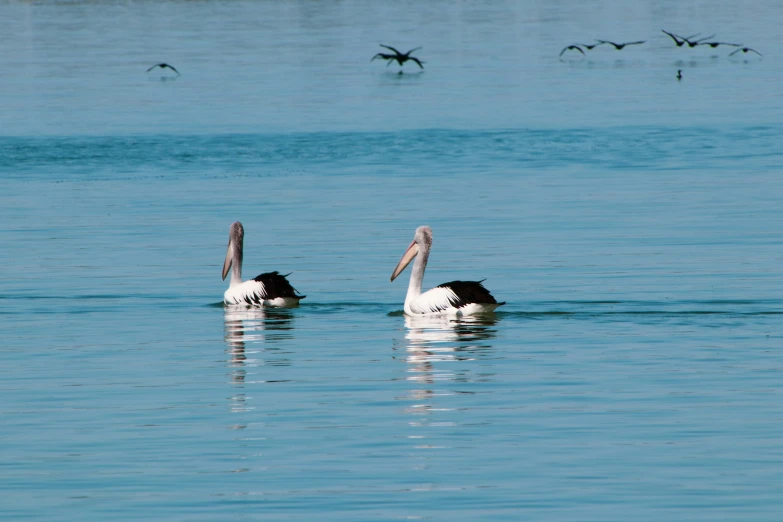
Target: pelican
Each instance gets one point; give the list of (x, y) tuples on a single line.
[(455, 298), (269, 289)]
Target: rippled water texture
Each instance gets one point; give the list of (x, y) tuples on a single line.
[(631, 222)]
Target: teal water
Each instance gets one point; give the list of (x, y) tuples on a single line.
[(631, 222)]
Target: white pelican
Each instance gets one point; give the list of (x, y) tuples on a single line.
[(270, 289), (454, 298)]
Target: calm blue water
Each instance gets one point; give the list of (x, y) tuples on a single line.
[(632, 223)]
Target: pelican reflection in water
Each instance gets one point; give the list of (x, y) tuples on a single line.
[(439, 348), (252, 336)]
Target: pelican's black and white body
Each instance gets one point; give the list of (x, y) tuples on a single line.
[(455, 298), (269, 289)]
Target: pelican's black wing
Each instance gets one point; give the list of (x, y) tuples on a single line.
[(467, 292), (276, 285)]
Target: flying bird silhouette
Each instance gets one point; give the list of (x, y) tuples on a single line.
[(570, 48), (745, 50), (164, 66), (590, 47), (399, 57), (679, 40), (694, 43), (620, 46), (716, 44)]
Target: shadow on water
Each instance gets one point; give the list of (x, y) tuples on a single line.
[(163, 78), (401, 75)]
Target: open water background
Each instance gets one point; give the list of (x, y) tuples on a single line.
[(632, 223)]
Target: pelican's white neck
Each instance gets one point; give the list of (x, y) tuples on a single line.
[(236, 263), (417, 273)]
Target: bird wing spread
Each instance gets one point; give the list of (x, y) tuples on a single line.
[(391, 48)]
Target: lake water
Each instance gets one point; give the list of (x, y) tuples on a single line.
[(631, 221)]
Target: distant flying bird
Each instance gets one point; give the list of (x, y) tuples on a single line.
[(619, 47), (682, 40), (590, 47), (694, 43), (164, 66), (716, 44), (745, 50), (401, 58), (679, 40), (572, 48), (679, 74)]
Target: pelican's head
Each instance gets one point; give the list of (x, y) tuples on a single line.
[(422, 240), (236, 235)]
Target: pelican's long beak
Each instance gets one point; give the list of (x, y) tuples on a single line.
[(229, 259), (407, 257)]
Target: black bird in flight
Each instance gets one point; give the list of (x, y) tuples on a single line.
[(571, 47), (619, 47), (590, 47), (679, 40), (694, 43), (164, 66), (401, 58), (679, 74), (716, 44), (745, 50)]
